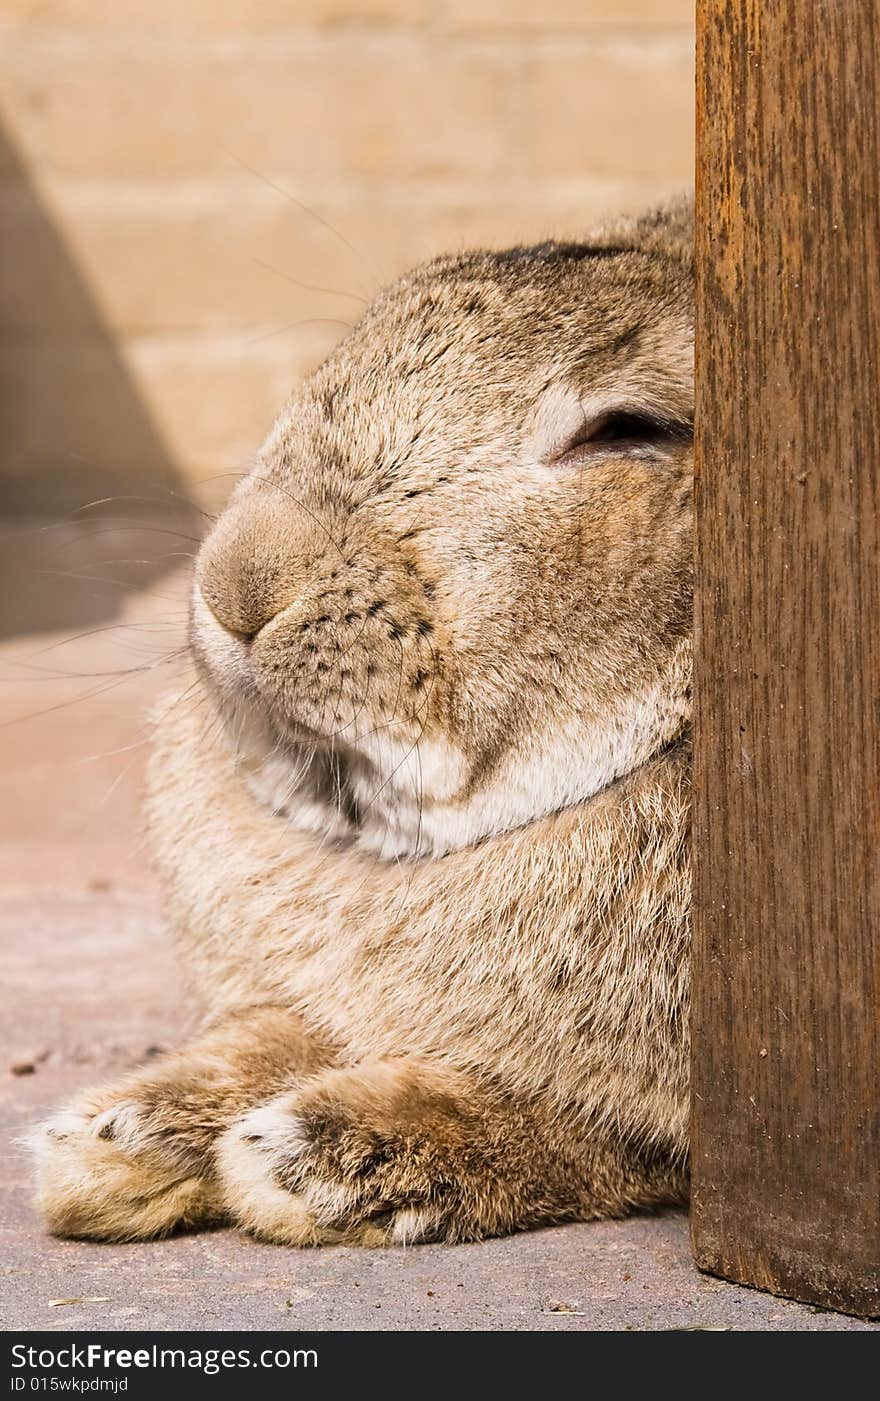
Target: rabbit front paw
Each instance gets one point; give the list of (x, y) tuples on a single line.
[(296, 1174), (388, 1153), (112, 1167)]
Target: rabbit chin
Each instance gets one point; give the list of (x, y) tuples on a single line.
[(405, 799)]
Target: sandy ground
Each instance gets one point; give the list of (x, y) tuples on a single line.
[(90, 989)]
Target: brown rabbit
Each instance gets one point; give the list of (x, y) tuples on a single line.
[(422, 814)]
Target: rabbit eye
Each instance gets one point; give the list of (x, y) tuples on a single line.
[(626, 427), (624, 431)]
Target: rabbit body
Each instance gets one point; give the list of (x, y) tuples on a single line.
[(421, 810)]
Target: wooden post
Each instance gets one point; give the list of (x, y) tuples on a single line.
[(786, 1084)]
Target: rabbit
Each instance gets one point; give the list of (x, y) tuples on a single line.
[(421, 807)]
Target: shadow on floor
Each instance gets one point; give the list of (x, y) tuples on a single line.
[(74, 432)]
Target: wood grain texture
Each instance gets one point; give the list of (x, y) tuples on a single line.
[(786, 1108)]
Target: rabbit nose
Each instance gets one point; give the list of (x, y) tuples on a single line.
[(254, 564)]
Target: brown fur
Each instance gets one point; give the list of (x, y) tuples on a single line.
[(423, 816)]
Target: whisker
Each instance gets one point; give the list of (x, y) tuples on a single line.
[(222, 476), (106, 579), (121, 525), (309, 286), (123, 773), (352, 723), (150, 628), (189, 504), (111, 753), (156, 559), (95, 632), (408, 884), (295, 325), (417, 740), (44, 674), (77, 700), (304, 208)]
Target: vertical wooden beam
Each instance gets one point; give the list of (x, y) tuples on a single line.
[(786, 1083)]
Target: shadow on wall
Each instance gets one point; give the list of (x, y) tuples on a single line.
[(85, 475)]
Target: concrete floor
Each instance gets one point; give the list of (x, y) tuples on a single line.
[(91, 989)]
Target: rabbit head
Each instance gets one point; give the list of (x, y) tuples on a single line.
[(454, 594)]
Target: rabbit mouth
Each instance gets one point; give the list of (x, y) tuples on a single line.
[(326, 763), (332, 789), (295, 774), (323, 785)]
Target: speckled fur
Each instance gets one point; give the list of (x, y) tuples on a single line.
[(421, 810)]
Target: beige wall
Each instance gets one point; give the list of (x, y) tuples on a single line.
[(143, 332)]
